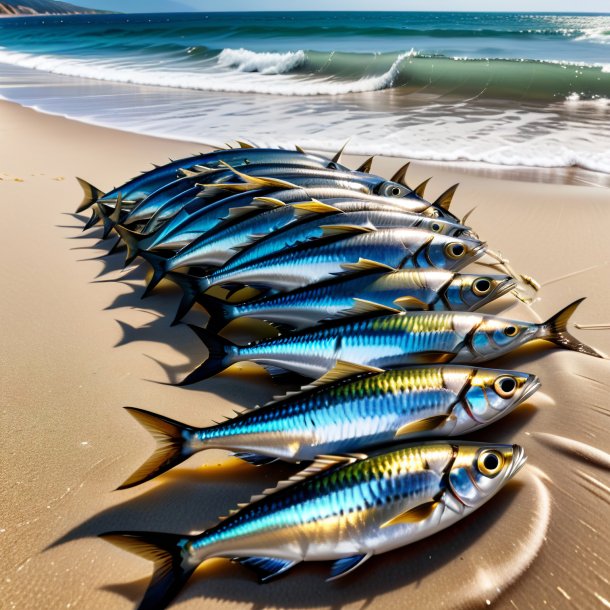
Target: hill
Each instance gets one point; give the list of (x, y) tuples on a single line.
[(41, 7)]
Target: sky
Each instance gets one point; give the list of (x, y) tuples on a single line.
[(147, 6)]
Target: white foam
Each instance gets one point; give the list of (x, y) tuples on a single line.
[(265, 63)]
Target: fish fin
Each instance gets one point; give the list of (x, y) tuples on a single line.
[(90, 195), (299, 149), (365, 168), (95, 217), (421, 188), (116, 246), (410, 303), (171, 570), (203, 169), (172, 449), (400, 175), (555, 330), (331, 230), (266, 568), (188, 173), (422, 425), (255, 458), (240, 212), (210, 191), (339, 154), (314, 207), (158, 264), (118, 208), (345, 565), (267, 203), (191, 287), (322, 463), (259, 182), (342, 370), (431, 357), (132, 240), (364, 264), (220, 351), (414, 515), (362, 307), (243, 144), (105, 213), (444, 199), (220, 312)]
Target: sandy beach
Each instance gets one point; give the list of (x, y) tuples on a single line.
[(78, 344)]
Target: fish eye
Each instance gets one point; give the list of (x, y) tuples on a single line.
[(505, 386), (490, 462), (395, 191), (435, 227), (481, 286), (511, 331), (332, 165), (455, 250)]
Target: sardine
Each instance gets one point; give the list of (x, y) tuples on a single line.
[(343, 509), (389, 341), (408, 290), (362, 409)]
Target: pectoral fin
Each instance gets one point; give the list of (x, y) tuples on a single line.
[(411, 303), (415, 515), (345, 565), (342, 370), (431, 358), (422, 425), (266, 568)]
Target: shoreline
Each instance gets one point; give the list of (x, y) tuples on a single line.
[(80, 344)]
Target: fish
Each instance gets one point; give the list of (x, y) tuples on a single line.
[(210, 250), (143, 185), (343, 509), (404, 289), (389, 341), (345, 248), (356, 410)]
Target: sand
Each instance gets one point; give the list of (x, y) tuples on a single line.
[(78, 345)]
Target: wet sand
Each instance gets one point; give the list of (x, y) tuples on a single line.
[(78, 345)]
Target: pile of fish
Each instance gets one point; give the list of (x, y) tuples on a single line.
[(360, 282)]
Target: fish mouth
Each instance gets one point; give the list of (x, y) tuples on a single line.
[(519, 459), (504, 288), (478, 251), (532, 385)]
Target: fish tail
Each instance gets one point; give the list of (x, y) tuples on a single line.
[(555, 330), (219, 358), (192, 287), (173, 445), (95, 217), (105, 214), (90, 195), (132, 240), (172, 567), (220, 312), (158, 264)]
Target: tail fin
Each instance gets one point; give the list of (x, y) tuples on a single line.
[(219, 358), (90, 195), (192, 287), (132, 240), (172, 567), (220, 312), (159, 269), (555, 330), (95, 216), (172, 446)]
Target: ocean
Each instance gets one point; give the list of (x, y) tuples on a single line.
[(497, 88)]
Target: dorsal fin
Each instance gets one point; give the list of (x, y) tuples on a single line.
[(330, 230), (260, 182), (364, 264), (314, 207), (366, 166), (362, 307), (243, 144), (188, 173), (444, 199), (340, 152), (421, 189), (299, 149), (401, 173), (342, 370), (267, 202)]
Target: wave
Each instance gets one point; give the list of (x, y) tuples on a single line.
[(312, 73)]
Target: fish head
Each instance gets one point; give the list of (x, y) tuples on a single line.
[(445, 252), (478, 471), (486, 395), (470, 291), (389, 188), (493, 337)]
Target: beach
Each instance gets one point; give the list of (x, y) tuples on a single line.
[(79, 344)]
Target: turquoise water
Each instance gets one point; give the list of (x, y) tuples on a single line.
[(524, 89)]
